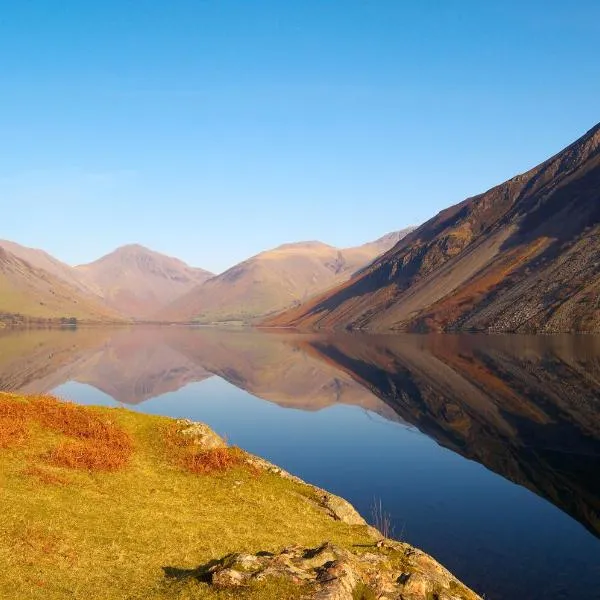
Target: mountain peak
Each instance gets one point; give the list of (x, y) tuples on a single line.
[(522, 256), (309, 245), (137, 281)]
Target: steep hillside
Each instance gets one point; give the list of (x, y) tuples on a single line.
[(524, 256), (42, 260), (137, 281), (30, 293), (273, 280)]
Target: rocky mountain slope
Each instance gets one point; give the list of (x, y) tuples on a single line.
[(137, 281), (273, 280), (523, 256), (30, 293)]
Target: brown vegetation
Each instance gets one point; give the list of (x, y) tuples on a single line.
[(191, 456), (13, 427), (45, 476), (94, 443)]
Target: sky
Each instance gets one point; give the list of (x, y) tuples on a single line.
[(214, 129)]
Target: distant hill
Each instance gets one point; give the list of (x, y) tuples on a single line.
[(272, 280), (34, 293), (524, 256), (137, 281), (42, 260)]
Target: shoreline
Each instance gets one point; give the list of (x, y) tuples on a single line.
[(258, 527)]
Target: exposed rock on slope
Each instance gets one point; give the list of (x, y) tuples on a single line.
[(137, 281), (29, 293), (273, 280), (333, 573), (389, 571), (524, 256)]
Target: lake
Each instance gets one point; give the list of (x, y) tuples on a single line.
[(484, 450)]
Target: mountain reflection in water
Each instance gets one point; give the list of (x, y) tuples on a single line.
[(524, 407)]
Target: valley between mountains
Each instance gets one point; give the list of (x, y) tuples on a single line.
[(522, 257), (134, 283)]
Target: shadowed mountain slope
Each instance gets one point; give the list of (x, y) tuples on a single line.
[(273, 280), (137, 281), (524, 256)]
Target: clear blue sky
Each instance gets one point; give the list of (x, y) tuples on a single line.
[(213, 129)]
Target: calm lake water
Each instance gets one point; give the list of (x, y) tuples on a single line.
[(485, 450)]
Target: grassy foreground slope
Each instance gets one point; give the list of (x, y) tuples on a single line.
[(112, 504)]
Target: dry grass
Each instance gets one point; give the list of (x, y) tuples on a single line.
[(185, 452), (111, 534), (94, 442), (216, 460), (13, 431), (45, 476), (381, 519)]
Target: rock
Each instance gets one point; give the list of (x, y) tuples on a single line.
[(342, 510), (227, 578), (201, 434), (329, 572), (336, 507)]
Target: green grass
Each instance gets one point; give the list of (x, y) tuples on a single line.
[(70, 533)]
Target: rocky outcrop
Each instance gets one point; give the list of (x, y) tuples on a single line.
[(387, 571)]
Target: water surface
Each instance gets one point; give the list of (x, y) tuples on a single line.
[(485, 450)]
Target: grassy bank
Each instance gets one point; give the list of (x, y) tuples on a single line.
[(112, 504), (98, 503)]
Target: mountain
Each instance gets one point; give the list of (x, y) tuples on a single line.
[(137, 281), (523, 256), (30, 293), (42, 260), (273, 280)]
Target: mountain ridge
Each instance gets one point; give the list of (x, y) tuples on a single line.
[(136, 280), (522, 256), (272, 280), (32, 294)]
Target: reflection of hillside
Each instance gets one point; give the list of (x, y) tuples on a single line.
[(275, 368), (134, 365), (38, 360), (526, 408), (130, 365)]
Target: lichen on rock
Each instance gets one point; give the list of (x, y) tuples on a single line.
[(329, 572)]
